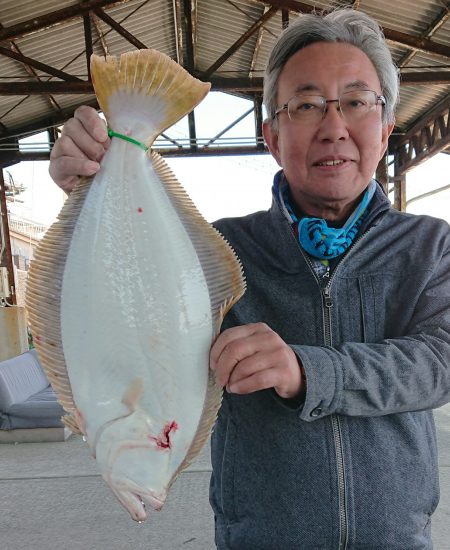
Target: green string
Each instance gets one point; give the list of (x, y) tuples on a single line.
[(111, 133)]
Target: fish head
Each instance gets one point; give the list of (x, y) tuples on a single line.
[(135, 461)]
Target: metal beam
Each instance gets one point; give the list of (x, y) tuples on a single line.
[(435, 25), (427, 138), (51, 100), (265, 17), (54, 17), (178, 30), (38, 65), (119, 29), (189, 57), (7, 158), (218, 84), (419, 43), (4, 229), (88, 43)]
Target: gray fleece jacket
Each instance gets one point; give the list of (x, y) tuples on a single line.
[(355, 465)]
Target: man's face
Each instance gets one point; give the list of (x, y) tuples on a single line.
[(329, 191)]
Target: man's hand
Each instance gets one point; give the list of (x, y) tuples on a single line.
[(80, 148), (253, 357)]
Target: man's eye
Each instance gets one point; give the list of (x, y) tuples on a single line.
[(305, 107), (356, 103)]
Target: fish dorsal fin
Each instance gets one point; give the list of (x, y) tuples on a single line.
[(43, 300), (225, 280), (144, 92)]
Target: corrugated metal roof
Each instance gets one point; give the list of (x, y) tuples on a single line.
[(219, 24)]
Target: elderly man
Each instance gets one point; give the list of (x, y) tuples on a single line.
[(340, 348)]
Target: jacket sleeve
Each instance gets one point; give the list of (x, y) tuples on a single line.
[(406, 373)]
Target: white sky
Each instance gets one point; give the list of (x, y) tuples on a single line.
[(221, 186)]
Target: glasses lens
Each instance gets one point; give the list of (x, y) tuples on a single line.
[(357, 104), (306, 108)]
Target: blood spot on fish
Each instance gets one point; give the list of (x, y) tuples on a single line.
[(140, 210), (163, 441)]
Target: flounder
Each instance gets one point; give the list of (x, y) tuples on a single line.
[(128, 290)]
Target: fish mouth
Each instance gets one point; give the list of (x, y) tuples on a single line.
[(136, 502)]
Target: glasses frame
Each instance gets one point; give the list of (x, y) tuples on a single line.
[(379, 100)]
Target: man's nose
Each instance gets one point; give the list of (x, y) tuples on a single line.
[(333, 126)]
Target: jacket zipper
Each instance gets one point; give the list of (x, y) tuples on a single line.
[(324, 285), (325, 288), (335, 422)]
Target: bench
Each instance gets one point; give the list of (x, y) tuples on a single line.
[(29, 410)]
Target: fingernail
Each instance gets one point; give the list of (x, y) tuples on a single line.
[(92, 167), (100, 135)]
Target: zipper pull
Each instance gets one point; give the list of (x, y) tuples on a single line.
[(327, 298)]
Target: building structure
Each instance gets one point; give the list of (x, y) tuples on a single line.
[(45, 49)]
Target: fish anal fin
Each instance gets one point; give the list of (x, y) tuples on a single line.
[(221, 266)]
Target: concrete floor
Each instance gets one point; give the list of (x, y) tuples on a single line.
[(52, 498)]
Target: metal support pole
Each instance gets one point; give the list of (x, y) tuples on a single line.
[(6, 260), (257, 100), (382, 174), (399, 187)]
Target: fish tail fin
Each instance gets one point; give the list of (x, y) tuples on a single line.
[(144, 92)]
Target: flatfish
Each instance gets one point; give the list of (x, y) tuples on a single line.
[(128, 290)]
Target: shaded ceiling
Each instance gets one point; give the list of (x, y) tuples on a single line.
[(45, 46)]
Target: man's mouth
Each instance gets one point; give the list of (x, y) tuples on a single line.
[(330, 162)]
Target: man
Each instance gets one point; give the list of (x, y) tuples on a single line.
[(340, 348)]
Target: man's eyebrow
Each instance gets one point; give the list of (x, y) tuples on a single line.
[(310, 87), (359, 84), (307, 88)]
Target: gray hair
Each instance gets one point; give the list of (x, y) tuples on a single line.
[(342, 25)]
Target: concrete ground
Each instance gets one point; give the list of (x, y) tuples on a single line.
[(52, 498)]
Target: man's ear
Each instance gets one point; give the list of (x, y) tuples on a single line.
[(271, 138), (386, 131)]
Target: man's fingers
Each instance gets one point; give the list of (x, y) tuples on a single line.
[(260, 380), (76, 141), (231, 335), (94, 125)]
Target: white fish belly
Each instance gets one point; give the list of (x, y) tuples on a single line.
[(135, 311)]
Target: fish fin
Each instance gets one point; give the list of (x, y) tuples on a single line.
[(221, 266), (70, 422), (226, 284), (144, 92), (43, 299)]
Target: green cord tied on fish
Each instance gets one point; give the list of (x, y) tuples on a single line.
[(111, 134)]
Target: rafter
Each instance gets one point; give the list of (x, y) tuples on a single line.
[(428, 137), (259, 38), (88, 43), (54, 17), (419, 43), (15, 48), (38, 65), (101, 35), (178, 30), (265, 17), (118, 28), (441, 18), (218, 84)]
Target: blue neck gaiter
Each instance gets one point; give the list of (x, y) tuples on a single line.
[(315, 237)]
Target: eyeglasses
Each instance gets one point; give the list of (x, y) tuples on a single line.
[(310, 109)]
